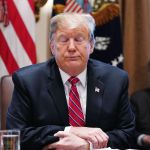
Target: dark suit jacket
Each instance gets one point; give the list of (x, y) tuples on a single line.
[(140, 101), (39, 107)]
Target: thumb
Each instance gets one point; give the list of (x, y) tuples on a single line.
[(61, 134)]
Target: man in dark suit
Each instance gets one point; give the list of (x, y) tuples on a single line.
[(140, 101), (44, 103)]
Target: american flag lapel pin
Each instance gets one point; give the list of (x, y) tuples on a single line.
[(97, 89)]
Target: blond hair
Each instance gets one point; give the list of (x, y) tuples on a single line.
[(72, 20)]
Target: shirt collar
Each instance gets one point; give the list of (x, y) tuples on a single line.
[(81, 77)]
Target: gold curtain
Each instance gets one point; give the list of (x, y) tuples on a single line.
[(136, 42)]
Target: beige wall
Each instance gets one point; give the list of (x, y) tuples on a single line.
[(42, 32)]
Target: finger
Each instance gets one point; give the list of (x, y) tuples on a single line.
[(103, 133), (102, 141), (94, 141), (61, 134), (102, 138), (105, 138)]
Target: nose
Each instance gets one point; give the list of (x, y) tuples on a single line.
[(71, 45)]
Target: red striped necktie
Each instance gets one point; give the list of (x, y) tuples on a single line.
[(76, 117)]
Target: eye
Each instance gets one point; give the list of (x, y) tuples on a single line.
[(63, 39), (80, 38)]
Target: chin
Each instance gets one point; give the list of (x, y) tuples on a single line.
[(75, 70), (74, 65)]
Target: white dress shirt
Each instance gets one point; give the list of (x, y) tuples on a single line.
[(82, 90), (81, 87)]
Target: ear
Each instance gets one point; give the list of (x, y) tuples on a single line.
[(52, 47), (92, 43)]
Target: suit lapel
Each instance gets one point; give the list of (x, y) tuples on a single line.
[(56, 90), (95, 90)]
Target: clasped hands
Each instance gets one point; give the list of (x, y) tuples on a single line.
[(78, 138)]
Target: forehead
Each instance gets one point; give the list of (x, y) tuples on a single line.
[(72, 31)]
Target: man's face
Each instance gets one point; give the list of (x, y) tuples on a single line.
[(71, 48)]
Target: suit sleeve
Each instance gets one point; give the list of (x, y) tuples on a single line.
[(140, 104), (19, 117), (123, 135)]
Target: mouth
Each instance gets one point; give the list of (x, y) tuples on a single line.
[(73, 58)]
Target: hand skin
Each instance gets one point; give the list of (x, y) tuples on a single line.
[(96, 136), (146, 139), (68, 141)]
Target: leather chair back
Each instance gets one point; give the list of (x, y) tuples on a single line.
[(6, 90)]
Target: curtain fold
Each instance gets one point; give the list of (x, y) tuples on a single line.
[(136, 42)]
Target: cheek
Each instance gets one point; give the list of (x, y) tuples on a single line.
[(59, 54), (56, 50)]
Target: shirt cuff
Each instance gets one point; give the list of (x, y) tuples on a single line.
[(140, 138), (91, 146), (67, 129)]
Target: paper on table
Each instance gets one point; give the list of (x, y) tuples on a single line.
[(108, 148)]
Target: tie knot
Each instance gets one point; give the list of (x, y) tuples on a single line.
[(73, 80)]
